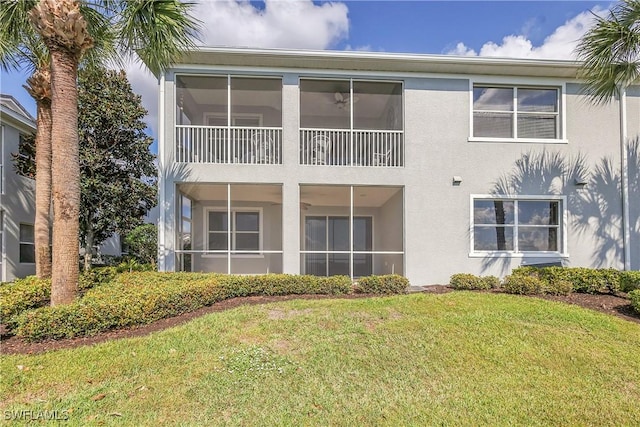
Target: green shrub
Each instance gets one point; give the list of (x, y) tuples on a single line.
[(629, 280), (490, 282), (585, 280), (523, 285), (464, 281), (23, 294), (96, 276), (386, 284), (635, 300), (140, 298), (558, 287)]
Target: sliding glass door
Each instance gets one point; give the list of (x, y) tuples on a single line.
[(330, 235)]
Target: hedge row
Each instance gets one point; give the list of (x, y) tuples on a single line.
[(31, 292), (585, 280), (389, 284), (635, 300), (464, 281), (141, 298)]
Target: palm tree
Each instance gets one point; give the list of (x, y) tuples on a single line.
[(610, 51), (21, 47), (158, 31)]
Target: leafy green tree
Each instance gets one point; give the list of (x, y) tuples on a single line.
[(118, 174), (611, 51), (143, 243)]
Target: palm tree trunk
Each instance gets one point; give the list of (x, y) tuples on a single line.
[(65, 174), (43, 190)]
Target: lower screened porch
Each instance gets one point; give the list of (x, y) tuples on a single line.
[(348, 230)]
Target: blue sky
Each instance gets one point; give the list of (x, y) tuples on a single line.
[(541, 29)]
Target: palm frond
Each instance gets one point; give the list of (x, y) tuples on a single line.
[(159, 31), (17, 37), (610, 52)]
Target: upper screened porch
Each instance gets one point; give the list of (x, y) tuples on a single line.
[(239, 120)]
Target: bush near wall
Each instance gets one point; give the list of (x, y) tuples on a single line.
[(635, 300), (140, 298), (464, 281), (387, 284), (586, 280), (523, 285), (629, 281)]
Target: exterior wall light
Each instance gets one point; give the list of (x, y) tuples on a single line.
[(457, 180)]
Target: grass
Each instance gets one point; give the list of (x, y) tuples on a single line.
[(452, 359)]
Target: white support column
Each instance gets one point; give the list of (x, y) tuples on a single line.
[(229, 228), (291, 225)]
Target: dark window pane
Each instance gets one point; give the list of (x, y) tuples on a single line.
[(27, 233), (493, 212), (537, 239), (493, 125), (538, 100), (362, 265), (315, 233), (493, 238), (247, 241), (338, 264), (27, 253), (218, 241), (362, 234), (315, 264), (534, 212), (247, 221), (217, 221), (338, 233), (537, 126), (493, 98)]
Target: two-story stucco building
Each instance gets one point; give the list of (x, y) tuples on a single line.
[(322, 162), (17, 195)]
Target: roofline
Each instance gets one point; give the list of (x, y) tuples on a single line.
[(377, 61), (27, 124), (419, 57)]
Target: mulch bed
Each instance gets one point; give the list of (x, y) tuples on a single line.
[(610, 304)]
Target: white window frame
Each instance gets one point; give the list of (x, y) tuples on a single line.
[(22, 242), (563, 227), (523, 84), (232, 230)]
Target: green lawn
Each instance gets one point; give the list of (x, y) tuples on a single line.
[(453, 359)]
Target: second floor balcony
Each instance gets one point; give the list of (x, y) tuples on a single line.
[(238, 120)]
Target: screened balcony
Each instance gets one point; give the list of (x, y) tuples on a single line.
[(351, 230), (351, 123), (228, 119)]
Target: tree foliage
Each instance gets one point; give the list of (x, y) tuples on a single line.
[(611, 51), (117, 170), (143, 243)]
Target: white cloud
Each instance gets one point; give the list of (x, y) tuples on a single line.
[(559, 45), (281, 24), (291, 24)]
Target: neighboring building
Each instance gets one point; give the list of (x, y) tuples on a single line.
[(355, 163), (17, 195)]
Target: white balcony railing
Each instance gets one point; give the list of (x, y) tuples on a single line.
[(383, 148), (221, 144)]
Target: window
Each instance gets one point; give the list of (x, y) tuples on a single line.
[(245, 231), (27, 244), (517, 225), (523, 113)]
